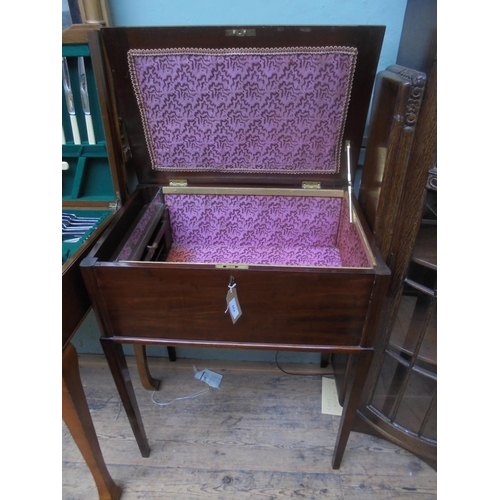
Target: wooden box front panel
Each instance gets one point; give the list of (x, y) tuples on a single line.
[(150, 300)]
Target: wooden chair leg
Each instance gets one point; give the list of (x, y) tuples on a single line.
[(77, 418), (148, 382), (119, 370), (353, 395)]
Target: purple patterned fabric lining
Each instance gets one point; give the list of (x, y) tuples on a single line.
[(350, 246), (273, 230), (244, 110)]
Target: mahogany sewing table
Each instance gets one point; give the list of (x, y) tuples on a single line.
[(244, 142)]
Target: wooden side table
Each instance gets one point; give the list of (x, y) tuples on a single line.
[(77, 418), (75, 300)]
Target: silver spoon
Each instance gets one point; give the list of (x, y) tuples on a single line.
[(78, 225), (73, 217)]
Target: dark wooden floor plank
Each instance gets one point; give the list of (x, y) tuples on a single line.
[(192, 483), (387, 487), (262, 435)]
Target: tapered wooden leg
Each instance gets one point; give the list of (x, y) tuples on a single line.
[(121, 375), (148, 382), (77, 418), (353, 395)]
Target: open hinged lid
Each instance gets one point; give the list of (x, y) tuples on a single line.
[(248, 106), (94, 182), (92, 175)]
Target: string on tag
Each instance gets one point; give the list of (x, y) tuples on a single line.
[(231, 291)]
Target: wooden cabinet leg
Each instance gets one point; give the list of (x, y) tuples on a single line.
[(325, 359), (148, 382), (77, 418), (119, 370), (353, 395), (172, 355)]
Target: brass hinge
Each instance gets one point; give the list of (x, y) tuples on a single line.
[(178, 183), (115, 205), (126, 154), (311, 185)]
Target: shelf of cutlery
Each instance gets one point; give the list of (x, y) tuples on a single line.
[(86, 173), (78, 226)]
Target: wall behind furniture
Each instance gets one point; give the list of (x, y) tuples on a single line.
[(389, 13)]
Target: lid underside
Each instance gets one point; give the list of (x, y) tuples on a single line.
[(261, 110), (273, 107)]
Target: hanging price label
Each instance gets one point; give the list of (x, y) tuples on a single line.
[(233, 305)]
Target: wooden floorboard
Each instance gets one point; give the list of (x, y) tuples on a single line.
[(261, 436)]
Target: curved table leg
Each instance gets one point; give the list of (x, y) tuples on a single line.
[(76, 415), (148, 382)]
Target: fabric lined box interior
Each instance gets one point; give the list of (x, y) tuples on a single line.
[(248, 110), (263, 230), (243, 229)]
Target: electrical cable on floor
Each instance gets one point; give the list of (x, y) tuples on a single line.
[(300, 374), (119, 409), (191, 396)]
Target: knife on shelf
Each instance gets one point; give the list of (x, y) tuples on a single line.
[(84, 93), (70, 103)]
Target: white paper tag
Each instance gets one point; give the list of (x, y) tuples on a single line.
[(233, 305), (329, 399), (211, 378), (233, 309)]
